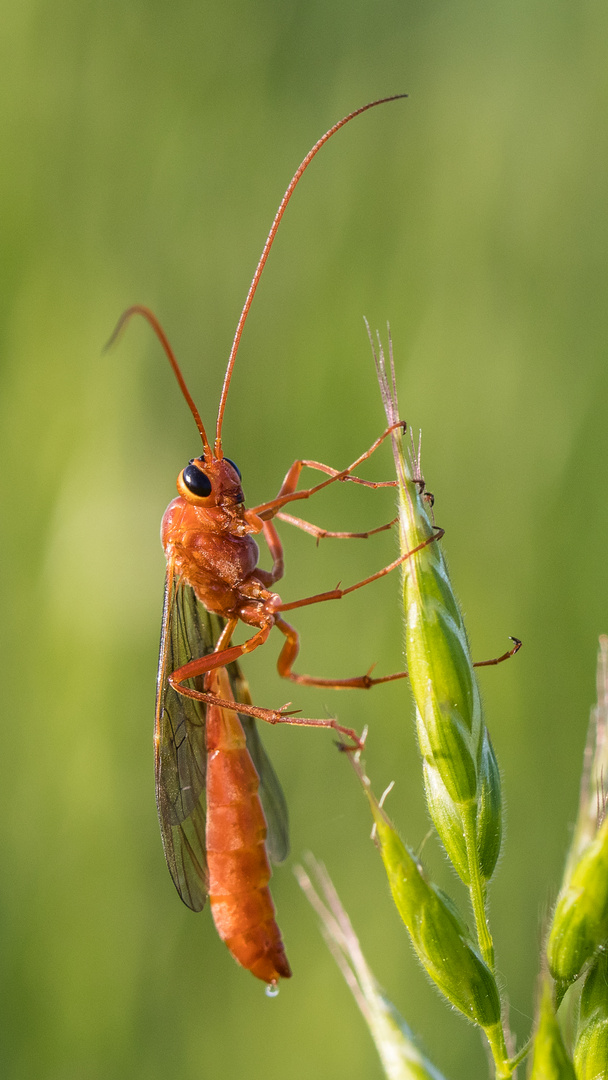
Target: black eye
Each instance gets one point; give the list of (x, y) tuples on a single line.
[(196, 481), (235, 467)]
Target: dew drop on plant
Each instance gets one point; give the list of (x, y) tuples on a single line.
[(272, 990)]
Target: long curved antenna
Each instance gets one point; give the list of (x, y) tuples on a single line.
[(140, 309), (267, 246)]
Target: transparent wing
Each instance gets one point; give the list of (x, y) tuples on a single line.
[(188, 631)]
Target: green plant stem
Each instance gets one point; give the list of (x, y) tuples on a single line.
[(496, 1039), (519, 1057), (477, 894)]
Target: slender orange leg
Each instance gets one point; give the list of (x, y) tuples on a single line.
[(337, 594), (323, 534), (275, 547), (290, 651), (288, 493), (505, 656), (212, 661), (226, 635), (203, 664), (291, 647), (370, 483), (291, 480)]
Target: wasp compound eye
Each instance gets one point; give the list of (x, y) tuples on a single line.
[(235, 467), (196, 481)]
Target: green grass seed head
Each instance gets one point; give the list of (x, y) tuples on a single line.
[(489, 809), (592, 801), (446, 816), (462, 781), (437, 932), (580, 923), (591, 1047), (451, 731), (550, 1060)]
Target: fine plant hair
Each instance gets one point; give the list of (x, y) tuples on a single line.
[(462, 787)]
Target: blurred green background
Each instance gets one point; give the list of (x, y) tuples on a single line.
[(145, 148)]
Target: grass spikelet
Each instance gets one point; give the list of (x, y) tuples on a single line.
[(551, 1060), (591, 1047), (580, 922), (401, 1059), (461, 777), (579, 927), (437, 931)]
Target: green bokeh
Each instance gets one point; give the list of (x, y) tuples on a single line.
[(145, 149)]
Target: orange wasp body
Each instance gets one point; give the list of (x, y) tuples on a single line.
[(238, 866), (215, 843)]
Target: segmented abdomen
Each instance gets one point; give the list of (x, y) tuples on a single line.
[(239, 871)]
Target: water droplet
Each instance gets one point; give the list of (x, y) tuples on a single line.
[(272, 990)]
